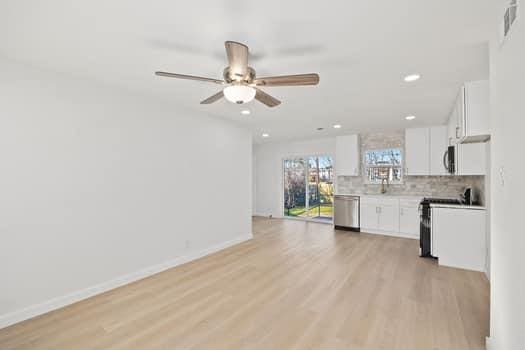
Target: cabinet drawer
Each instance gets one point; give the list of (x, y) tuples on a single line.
[(410, 203)]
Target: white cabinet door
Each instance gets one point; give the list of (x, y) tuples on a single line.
[(347, 158), (460, 114), (459, 237), (438, 146), (476, 110), (409, 220), (471, 159), (369, 214), (451, 126), (388, 217), (417, 151)]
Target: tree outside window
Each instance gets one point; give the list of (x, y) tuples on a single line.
[(384, 164)]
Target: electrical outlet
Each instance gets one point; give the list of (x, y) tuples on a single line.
[(187, 243)]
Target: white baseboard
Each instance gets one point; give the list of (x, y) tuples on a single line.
[(59, 302), (391, 234), (487, 343), (262, 215)]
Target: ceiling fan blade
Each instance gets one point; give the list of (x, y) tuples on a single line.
[(188, 77), (237, 57), (288, 80), (268, 100), (213, 98)]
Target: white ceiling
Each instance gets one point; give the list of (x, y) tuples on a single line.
[(361, 49)]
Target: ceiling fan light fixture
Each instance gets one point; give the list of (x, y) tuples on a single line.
[(239, 94), (412, 77)]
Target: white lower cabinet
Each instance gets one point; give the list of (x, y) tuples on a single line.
[(459, 237), (388, 215), (369, 213), (391, 216), (409, 217)]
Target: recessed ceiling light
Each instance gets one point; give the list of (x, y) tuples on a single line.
[(337, 126), (245, 111), (265, 135), (410, 117), (412, 77)]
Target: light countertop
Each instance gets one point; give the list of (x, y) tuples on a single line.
[(378, 195), (458, 206)]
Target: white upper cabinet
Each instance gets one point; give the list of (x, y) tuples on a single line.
[(417, 151), (452, 126), (471, 159), (469, 119), (347, 157), (438, 146)]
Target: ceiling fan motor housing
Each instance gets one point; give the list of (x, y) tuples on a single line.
[(231, 77)]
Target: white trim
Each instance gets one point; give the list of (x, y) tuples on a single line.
[(391, 234), (262, 215), (61, 301), (307, 219), (488, 344)]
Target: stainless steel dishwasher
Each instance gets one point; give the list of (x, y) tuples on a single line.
[(346, 212)]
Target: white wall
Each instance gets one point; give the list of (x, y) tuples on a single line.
[(97, 184), (507, 75), (269, 169)]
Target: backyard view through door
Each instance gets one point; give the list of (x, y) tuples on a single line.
[(309, 187)]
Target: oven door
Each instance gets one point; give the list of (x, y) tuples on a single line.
[(425, 233)]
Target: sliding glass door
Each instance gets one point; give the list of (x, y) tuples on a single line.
[(309, 187), (295, 187)]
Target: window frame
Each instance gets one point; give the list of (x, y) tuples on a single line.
[(366, 166)]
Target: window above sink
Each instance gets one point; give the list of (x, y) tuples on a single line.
[(386, 163)]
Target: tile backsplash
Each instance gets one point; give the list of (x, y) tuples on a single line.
[(436, 186)]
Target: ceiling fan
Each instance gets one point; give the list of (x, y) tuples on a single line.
[(240, 81)]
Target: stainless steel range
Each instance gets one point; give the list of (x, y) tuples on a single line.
[(425, 232)]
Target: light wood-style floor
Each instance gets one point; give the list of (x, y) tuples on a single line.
[(296, 285)]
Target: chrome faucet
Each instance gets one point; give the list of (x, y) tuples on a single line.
[(383, 187)]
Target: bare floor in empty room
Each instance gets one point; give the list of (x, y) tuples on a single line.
[(296, 285)]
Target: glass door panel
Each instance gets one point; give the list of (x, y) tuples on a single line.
[(321, 188), (295, 187), (313, 187)]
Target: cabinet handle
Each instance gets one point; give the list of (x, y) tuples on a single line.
[(457, 132)]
